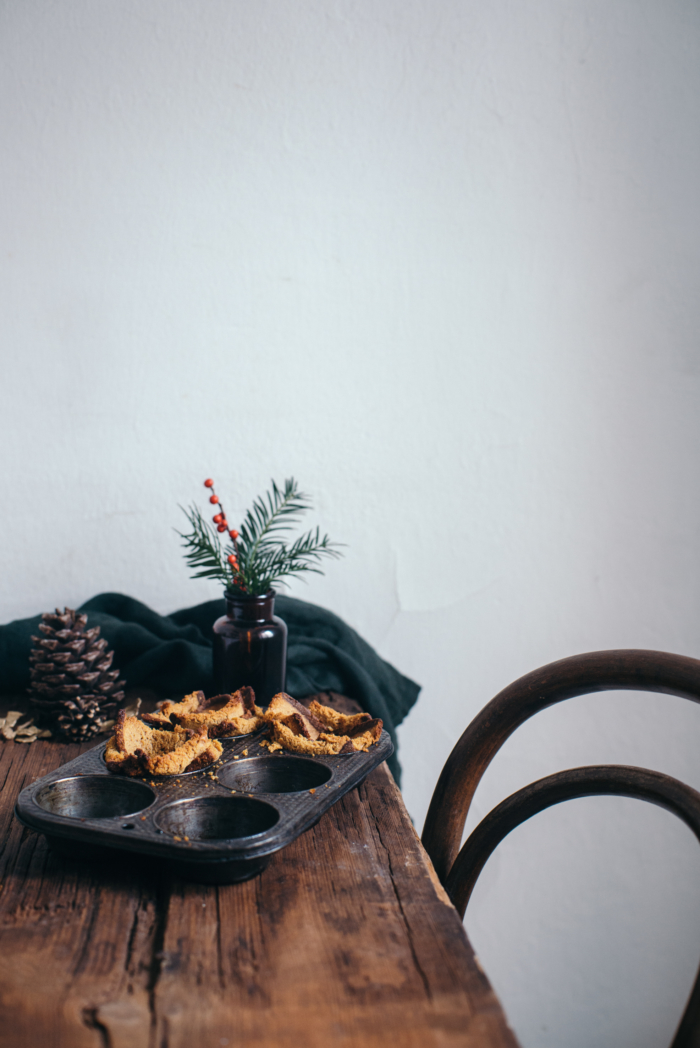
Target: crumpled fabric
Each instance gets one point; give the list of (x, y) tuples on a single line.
[(173, 654)]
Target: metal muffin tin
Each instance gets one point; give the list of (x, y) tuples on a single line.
[(218, 825)]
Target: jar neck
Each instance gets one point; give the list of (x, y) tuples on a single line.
[(250, 609)]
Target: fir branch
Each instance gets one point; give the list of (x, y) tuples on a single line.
[(268, 518), (303, 555), (203, 549), (260, 554)]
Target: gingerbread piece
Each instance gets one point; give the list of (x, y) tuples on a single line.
[(340, 723), (372, 727), (320, 730), (324, 745), (283, 708), (237, 716), (138, 749), (161, 718), (365, 735)]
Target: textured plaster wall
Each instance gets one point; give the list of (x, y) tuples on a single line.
[(440, 262)]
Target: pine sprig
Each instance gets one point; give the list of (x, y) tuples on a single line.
[(257, 555), (203, 550)]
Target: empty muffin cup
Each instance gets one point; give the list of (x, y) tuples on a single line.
[(217, 818), (274, 775), (95, 797)]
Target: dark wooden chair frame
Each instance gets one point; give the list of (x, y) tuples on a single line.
[(636, 670)]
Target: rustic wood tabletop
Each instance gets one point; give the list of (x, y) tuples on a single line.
[(345, 939)]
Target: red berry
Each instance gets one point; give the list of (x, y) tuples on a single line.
[(232, 560), (209, 483), (214, 499), (221, 527), (218, 519), (233, 533)]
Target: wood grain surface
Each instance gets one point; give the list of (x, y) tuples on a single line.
[(346, 939)]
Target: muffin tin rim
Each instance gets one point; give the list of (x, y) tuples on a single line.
[(143, 835), (100, 818)]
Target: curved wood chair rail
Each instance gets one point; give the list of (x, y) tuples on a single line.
[(636, 670), (646, 785)]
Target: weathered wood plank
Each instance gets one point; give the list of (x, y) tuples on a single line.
[(344, 939), (72, 940)]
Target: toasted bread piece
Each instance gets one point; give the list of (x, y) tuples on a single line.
[(298, 725), (197, 748), (365, 735), (286, 710), (138, 749), (320, 730), (238, 716), (161, 718), (324, 745), (122, 763), (342, 723)]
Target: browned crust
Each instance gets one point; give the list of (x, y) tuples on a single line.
[(227, 726), (282, 706), (342, 723), (364, 741), (129, 766), (182, 758), (138, 749), (324, 745), (208, 757), (157, 720), (119, 732), (307, 714), (117, 761), (322, 731), (239, 715), (236, 726), (244, 695), (283, 709), (300, 726), (163, 717), (372, 727), (279, 707)]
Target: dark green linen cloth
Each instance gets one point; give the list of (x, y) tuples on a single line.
[(173, 654)]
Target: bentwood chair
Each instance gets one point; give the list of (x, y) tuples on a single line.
[(579, 675)]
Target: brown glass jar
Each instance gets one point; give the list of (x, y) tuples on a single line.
[(250, 647)]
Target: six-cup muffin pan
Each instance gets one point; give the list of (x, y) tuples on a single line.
[(217, 825)]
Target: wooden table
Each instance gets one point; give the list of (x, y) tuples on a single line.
[(346, 939)]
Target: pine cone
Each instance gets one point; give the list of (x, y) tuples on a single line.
[(73, 690)]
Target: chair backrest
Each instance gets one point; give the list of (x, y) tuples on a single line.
[(636, 670), (594, 671), (579, 782)]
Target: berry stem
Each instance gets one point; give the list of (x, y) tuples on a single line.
[(235, 571)]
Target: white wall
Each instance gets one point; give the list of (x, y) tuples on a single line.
[(440, 262)]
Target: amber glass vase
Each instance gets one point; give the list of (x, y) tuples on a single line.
[(250, 647)]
